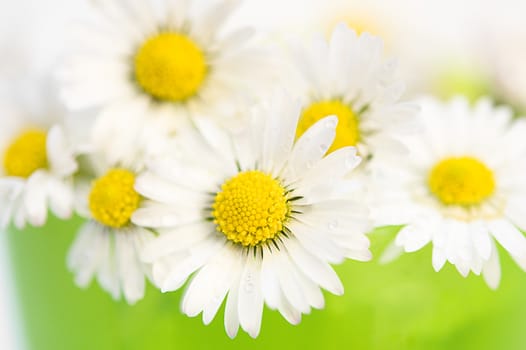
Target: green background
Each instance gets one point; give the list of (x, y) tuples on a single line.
[(402, 305)]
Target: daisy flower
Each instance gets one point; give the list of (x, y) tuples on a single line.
[(163, 58), (258, 218), (349, 78), (37, 161), (462, 188), (107, 246)]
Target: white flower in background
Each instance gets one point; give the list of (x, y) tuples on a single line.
[(37, 161), (259, 220), (107, 246), (462, 188), (348, 77), (166, 58)]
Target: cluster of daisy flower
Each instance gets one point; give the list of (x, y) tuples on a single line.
[(244, 170)]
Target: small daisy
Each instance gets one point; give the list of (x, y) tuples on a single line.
[(163, 58), (107, 246), (348, 77), (462, 188), (259, 220), (37, 161)]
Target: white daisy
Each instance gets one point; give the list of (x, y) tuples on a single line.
[(107, 246), (348, 77), (163, 58), (37, 161), (259, 219), (462, 188)]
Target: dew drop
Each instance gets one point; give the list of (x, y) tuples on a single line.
[(249, 284), (333, 225), (331, 123), (351, 162)]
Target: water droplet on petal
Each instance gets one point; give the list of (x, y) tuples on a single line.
[(331, 123), (248, 285), (333, 224), (351, 162)]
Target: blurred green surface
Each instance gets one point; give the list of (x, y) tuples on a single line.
[(403, 305), (464, 79)]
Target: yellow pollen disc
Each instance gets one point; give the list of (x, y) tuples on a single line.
[(461, 181), (170, 67), (26, 154), (113, 199), (251, 208), (347, 131)]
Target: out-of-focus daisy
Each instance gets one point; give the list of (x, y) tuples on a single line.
[(107, 246), (163, 58), (462, 188), (37, 161), (259, 220), (348, 77)]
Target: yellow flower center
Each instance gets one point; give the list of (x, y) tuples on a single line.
[(170, 67), (251, 208), (26, 154), (347, 131), (113, 199), (461, 181)]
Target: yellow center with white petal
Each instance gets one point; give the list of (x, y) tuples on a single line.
[(26, 154), (463, 181), (170, 67), (251, 208), (347, 131), (113, 199)]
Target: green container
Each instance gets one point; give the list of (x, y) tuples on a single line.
[(402, 305)]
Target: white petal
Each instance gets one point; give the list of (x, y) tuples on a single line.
[(108, 273), (153, 187), (250, 302), (318, 183), (491, 269), (35, 199), (269, 279), (129, 267), (86, 253), (183, 174), (210, 22), (60, 155), (481, 239), (438, 259), (176, 240), (391, 253), (412, 238), (359, 255), (153, 214), (217, 139), (210, 285), (509, 237), (339, 53), (290, 286), (318, 271), (199, 255), (231, 309), (292, 315), (312, 145), (317, 243), (61, 198), (279, 131)]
